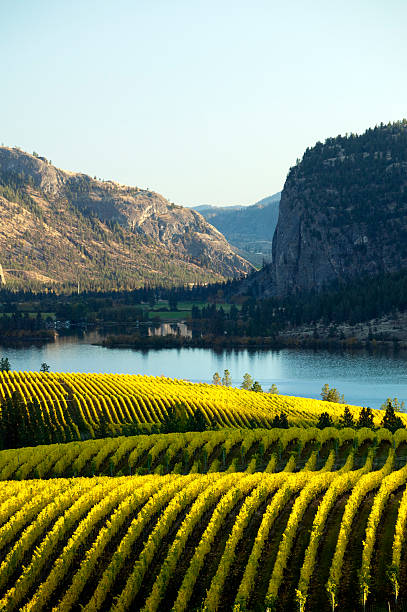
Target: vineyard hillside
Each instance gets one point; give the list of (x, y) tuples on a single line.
[(261, 450), (233, 541), (62, 407), (235, 516)]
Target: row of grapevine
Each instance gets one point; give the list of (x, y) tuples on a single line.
[(174, 542), (62, 407), (338, 487), (224, 450)]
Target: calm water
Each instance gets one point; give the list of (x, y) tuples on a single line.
[(364, 379)]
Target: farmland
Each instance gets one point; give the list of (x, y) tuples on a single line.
[(238, 516), (224, 541), (62, 407), (260, 450)]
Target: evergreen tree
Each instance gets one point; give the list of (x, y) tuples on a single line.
[(173, 421), (216, 379), (227, 379), (103, 431), (5, 364), (38, 430), (247, 382), (366, 418), (331, 395), (44, 367), (325, 392), (14, 425), (275, 423), (284, 421), (280, 421), (178, 420), (24, 435), (398, 406), (8, 425), (390, 420), (325, 420), (256, 387), (197, 422), (347, 419)]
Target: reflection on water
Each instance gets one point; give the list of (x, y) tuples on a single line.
[(170, 329), (364, 379)]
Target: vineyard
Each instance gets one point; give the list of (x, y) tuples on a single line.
[(173, 542), (290, 450), (60, 407), (240, 517)]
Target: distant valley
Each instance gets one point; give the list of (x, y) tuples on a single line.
[(249, 229)]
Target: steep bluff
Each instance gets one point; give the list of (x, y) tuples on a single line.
[(64, 225), (343, 213)]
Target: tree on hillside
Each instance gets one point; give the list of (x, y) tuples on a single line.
[(216, 379), (273, 389), (398, 406), (391, 420), (331, 395), (256, 387), (347, 419), (247, 382), (179, 420), (280, 421), (44, 367), (325, 420), (227, 379), (4, 364), (14, 423), (9, 425), (366, 418)]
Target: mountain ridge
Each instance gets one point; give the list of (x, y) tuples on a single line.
[(102, 225), (343, 213)]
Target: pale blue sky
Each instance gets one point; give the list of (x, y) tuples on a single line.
[(206, 102)]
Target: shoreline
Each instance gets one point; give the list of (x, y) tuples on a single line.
[(219, 343), (278, 343)]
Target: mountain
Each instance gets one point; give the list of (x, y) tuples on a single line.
[(343, 213), (249, 229), (64, 227)]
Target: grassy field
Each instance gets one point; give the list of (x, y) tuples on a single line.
[(183, 310)]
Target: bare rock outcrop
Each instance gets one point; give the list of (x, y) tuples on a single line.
[(343, 213), (182, 233)]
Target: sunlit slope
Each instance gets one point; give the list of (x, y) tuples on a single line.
[(259, 450), (74, 406), (233, 541)]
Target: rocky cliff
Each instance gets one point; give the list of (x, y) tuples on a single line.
[(343, 213), (60, 225)]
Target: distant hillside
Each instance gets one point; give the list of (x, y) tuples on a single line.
[(343, 213), (249, 229), (64, 227)]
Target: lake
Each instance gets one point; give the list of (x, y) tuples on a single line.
[(365, 379)]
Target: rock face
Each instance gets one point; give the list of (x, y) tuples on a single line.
[(33, 192), (343, 213)]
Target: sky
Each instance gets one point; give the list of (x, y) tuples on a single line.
[(206, 102)]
